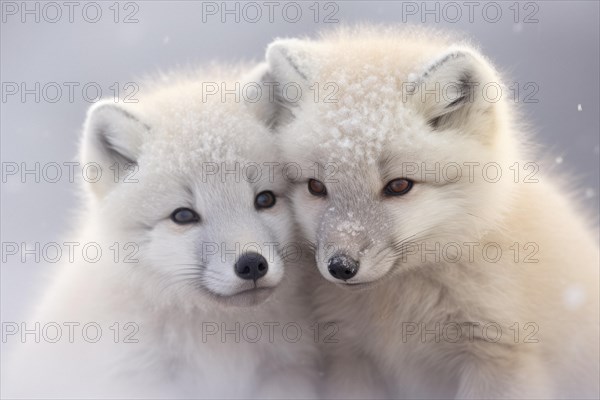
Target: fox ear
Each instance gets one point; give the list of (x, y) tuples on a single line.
[(290, 69), (112, 139), (262, 98), (458, 90), (288, 60)]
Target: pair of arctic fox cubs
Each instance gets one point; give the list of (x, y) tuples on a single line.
[(443, 277)]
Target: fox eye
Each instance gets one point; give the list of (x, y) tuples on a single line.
[(184, 216), (317, 188), (398, 187), (264, 199)]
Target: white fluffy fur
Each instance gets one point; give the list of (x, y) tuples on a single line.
[(170, 133), (378, 123)]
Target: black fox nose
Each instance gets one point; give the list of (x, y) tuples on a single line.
[(342, 267), (251, 266)]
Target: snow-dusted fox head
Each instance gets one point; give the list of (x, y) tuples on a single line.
[(189, 192), (394, 132)]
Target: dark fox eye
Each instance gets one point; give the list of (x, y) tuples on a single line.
[(184, 216), (398, 187), (317, 188), (265, 199)]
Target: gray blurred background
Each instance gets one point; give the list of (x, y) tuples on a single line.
[(549, 49)]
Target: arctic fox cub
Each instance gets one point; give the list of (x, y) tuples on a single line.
[(199, 302), (453, 265)]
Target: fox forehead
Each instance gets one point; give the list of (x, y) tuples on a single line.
[(356, 129), (356, 143)]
